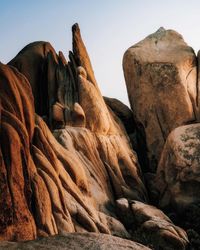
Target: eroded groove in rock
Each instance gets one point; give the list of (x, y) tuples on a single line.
[(73, 160), (17, 114)]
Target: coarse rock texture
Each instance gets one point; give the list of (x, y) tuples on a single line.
[(178, 174), (78, 241), (39, 63), (161, 79), (66, 158), (74, 186), (156, 228), (151, 225), (70, 188), (16, 132)]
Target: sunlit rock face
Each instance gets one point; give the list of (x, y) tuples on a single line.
[(67, 163), (75, 174), (161, 79)]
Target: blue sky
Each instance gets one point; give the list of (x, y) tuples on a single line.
[(108, 28)]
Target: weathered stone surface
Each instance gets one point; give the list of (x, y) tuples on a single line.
[(157, 228), (68, 167), (85, 241), (75, 179), (52, 79), (150, 225), (16, 132), (124, 113), (160, 74), (38, 62), (80, 54), (97, 115), (133, 128), (178, 173)]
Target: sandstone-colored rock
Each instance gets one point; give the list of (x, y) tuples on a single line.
[(68, 174), (38, 62), (161, 75), (45, 70), (58, 113), (85, 241), (178, 173), (97, 115), (16, 131), (46, 167), (150, 225), (125, 214), (75, 176), (78, 116), (80, 54), (133, 128), (154, 226)]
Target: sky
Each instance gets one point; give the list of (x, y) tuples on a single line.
[(108, 27)]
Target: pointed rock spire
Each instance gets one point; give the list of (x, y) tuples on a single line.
[(80, 53)]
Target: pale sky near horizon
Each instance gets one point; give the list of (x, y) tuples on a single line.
[(108, 28)]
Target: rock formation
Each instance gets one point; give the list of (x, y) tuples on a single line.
[(72, 184), (69, 157), (17, 128), (76, 241), (161, 79), (177, 178)]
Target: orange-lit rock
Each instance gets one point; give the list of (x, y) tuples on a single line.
[(16, 132), (75, 179), (66, 158)]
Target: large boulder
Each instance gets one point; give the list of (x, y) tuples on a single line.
[(161, 76), (151, 226), (178, 174)]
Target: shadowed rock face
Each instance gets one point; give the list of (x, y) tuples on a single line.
[(52, 81), (161, 79), (66, 158)]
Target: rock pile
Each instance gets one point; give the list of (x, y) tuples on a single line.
[(80, 165)]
